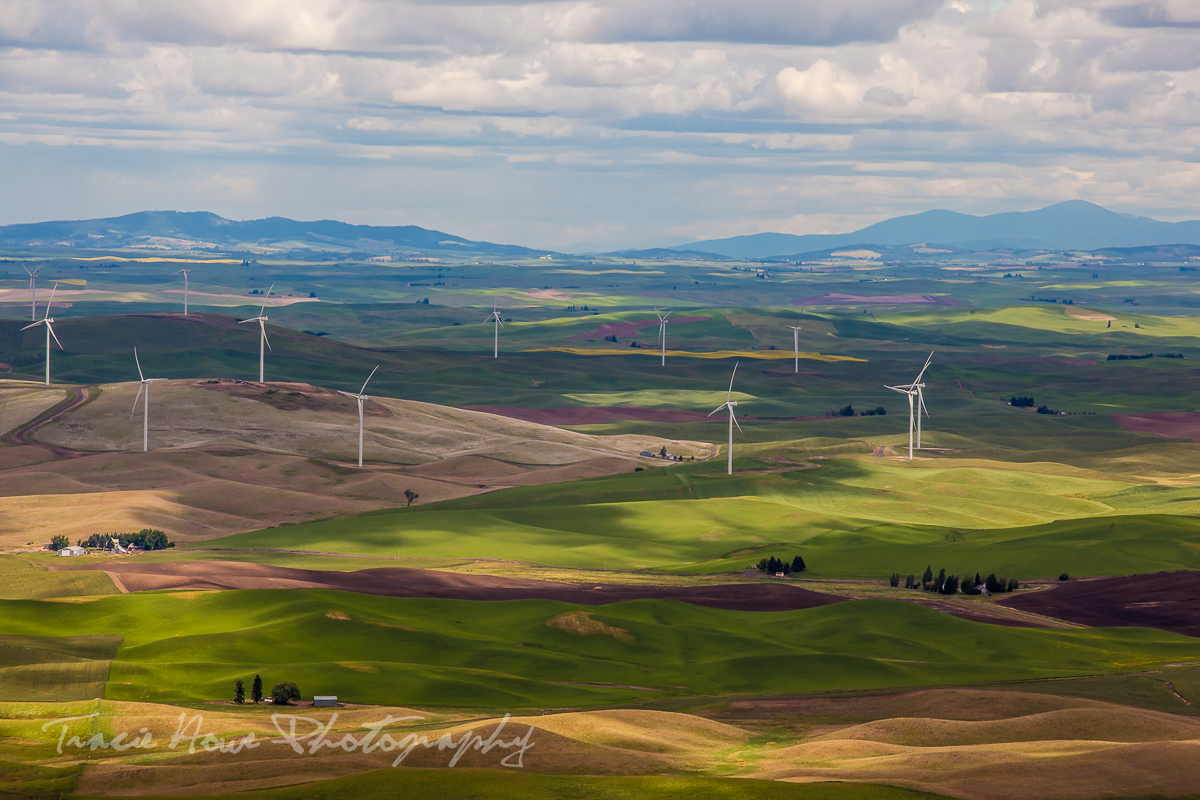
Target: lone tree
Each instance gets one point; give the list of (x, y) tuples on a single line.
[(283, 693), (410, 495), (256, 694), (239, 693)]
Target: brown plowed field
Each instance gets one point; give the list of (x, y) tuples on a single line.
[(400, 582), (1163, 600), (1174, 424)]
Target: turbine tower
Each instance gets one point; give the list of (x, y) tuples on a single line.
[(145, 384), (261, 319), (662, 333), (48, 321), (916, 403), (796, 341), (184, 273), (360, 397), (32, 290), (729, 404), (495, 317)]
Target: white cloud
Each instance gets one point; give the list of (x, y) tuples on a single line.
[(910, 103)]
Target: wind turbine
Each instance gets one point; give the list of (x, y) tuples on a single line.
[(495, 317), (729, 404), (145, 384), (916, 398), (261, 319), (662, 333), (48, 321), (184, 273), (360, 397), (32, 290), (796, 341)]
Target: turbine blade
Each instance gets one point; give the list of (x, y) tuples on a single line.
[(136, 399), (263, 310), (715, 410), (27, 272), (248, 319), (921, 397), (922, 372), (139, 365), (363, 390), (348, 394), (54, 335), (51, 300), (33, 325), (735, 422), (263, 327), (729, 394)]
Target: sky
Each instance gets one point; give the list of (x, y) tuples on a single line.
[(599, 124)]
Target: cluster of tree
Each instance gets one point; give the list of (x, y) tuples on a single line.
[(281, 694), (952, 584), (1046, 410), (59, 542), (1021, 402), (1053, 300), (612, 338), (773, 566), (848, 411), (145, 539), (1123, 357), (579, 308)]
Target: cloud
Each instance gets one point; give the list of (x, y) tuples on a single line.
[(706, 108)]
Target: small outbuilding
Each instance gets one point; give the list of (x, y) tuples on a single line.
[(325, 700), (72, 550)]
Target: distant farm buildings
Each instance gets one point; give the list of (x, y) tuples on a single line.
[(72, 550)]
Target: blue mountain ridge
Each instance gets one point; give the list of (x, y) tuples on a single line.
[(1072, 225)]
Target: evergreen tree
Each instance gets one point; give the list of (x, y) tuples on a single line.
[(928, 576), (256, 694), (798, 564), (785, 567), (991, 584), (939, 581), (1013, 585), (762, 565), (895, 580), (910, 581), (239, 693), (978, 580), (951, 585)]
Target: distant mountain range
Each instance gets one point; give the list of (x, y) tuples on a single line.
[(201, 230), (1073, 225)]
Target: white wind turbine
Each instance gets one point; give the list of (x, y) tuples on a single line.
[(48, 321), (145, 384), (662, 333), (360, 397), (495, 317), (32, 290), (729, 404), (796, 341), (184, 273), (916, 404), (261, 319)]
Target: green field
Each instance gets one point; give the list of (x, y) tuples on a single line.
[(191, 647)]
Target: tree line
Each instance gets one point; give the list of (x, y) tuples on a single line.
[(281, 694), (953, 584), (773, 565)]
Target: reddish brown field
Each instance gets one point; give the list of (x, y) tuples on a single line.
[(1173, 424), (1164, 600), (400, 582), (880, 299), (631, 329)]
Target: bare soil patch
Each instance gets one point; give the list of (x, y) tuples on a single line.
[(597, 415), (1172, 424), (631, 329), (401, 582), (1163, 600), (291, 396)]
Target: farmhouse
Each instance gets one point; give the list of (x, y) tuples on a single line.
[(72, 550)]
